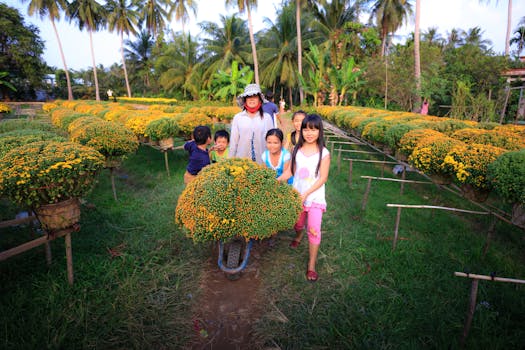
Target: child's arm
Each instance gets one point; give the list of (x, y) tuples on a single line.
[(323, 177), (287, 173)]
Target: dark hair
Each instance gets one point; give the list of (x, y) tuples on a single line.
[(201, 134), (292, 135), (221, 133), (275, 132), (268, 95), (311, 121)]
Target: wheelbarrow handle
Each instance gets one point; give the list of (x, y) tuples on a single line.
[(243, 263)]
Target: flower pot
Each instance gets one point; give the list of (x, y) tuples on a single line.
[(59, 215), (166, 144), (474, 194)]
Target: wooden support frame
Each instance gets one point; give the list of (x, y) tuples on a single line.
[(402, 181), (407, 206), (473, 297), (45, 239)]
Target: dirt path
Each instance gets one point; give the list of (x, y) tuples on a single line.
[(227, 310)]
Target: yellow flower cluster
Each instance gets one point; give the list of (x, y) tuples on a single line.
[(48, 172), (429, 154), (4, 108), (49, 106), (148, 100), (236, 198)]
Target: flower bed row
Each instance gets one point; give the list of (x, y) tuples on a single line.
[(479, 156)]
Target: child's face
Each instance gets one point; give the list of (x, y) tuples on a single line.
[(221, 143), (273, 144), (310, 135), (297, 120)]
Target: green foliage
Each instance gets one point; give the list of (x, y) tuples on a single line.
[(229, 84), (15, 138), (162, 128), (507, 175)]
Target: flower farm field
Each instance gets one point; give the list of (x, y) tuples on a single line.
[(137, 275)]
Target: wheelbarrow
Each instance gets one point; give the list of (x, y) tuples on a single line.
[(229, 259)]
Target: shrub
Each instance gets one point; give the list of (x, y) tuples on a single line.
[(499, 138), (189, 121), (233, 198), (48, 172), (429, 154), (411, 139), (394, 134), (13, 139), (507, 175), (19, 124), (162, 128)]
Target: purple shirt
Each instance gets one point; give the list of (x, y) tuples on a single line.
[(198, 158), (271, 109)]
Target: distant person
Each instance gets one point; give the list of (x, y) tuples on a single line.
[(197, 148), (110, 95), (424, 107), (271, 108), (219, 151), (249, 127)]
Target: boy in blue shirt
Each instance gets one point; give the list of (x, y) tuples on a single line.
[(198, 151)]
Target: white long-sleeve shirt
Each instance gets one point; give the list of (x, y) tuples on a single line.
[(244, 130)]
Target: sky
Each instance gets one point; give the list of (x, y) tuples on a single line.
[(490, 16)]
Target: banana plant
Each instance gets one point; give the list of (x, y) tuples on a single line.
[(232, 82), (5, 82)]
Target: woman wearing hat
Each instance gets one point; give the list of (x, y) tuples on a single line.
[(249, 127)]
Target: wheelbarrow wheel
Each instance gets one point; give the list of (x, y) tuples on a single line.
[(233, 258)]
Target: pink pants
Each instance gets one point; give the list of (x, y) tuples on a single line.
[(313, 216)]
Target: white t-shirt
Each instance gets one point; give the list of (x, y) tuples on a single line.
[(304, 176), (248, 135)]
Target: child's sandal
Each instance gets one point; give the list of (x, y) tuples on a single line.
[(294, 244), (312, 276)]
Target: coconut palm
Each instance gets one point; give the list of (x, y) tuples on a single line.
[(138, 54), (153, 15), (474, 37), (509, 25), (432, 37), (224, 44), (52, 9), (181, 9), (455, 37), (246, 5), (278, 51), (91, 15), (390, 16), (417, 59), (123, 18), (519, 37)]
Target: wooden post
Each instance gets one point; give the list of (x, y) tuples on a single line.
[(339, 161), (69, 258), (402, 185), (166, 162), (350, 172), (112, 175), (47, 249), (470, 312), (332, 147), (396, 231), (367, 191), (383, 166), (490, 234)]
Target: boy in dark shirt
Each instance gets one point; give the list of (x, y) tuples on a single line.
[(198, 151)]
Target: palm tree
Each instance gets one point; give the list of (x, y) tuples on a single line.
[(417, 57), (244, 5), (519, 36), (153, 15), (432, 37), (91, 15), (509, 25), (390, 15), (181, 7), (123, 18), (139, 53), (299, 46), (474, 37), (279, 50), (177, 62), (52, 9), (455, 37), (223, 45)]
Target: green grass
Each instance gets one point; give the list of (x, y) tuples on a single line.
[(368, 296)]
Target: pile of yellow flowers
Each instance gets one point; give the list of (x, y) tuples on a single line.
[(236, 198), (48, 172), (4, 108)]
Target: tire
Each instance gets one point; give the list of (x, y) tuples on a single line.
[(234, 254)]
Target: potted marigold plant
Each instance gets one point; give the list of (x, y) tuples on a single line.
[(53, 173), (507, 175), (109, 138), (162, 130), (236, 198)]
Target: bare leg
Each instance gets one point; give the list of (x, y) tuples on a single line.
[(313, 249)]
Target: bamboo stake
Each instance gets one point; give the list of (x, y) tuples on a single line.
[(69, 258), (436, 207), (47, 249), (470, 312), (396, 180), (166, 162), (367, 191), (350, 172), (9, 223), (111, 173), (370, 161), (488, 278), (402, 185), (396, 231), (339, 161), (490, 234)]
